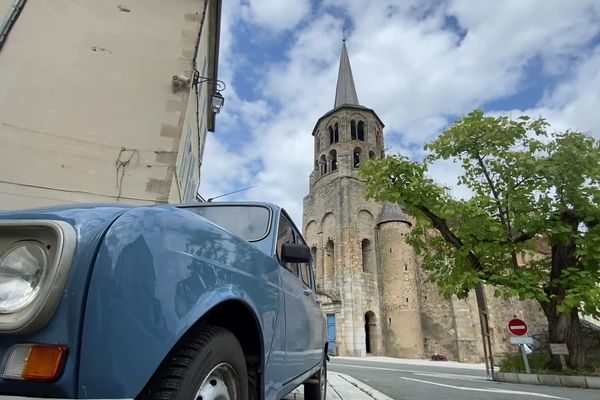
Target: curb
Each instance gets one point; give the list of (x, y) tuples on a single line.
[(582, 382), (358, 389), (342, 387)]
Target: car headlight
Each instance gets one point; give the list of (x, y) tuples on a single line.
[(22, 269), (35, 259)]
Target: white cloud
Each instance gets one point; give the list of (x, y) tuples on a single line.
[(575, 102), (414, 71), (222, 168), (275, 15)]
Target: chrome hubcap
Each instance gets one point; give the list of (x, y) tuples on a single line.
[(220, 384)]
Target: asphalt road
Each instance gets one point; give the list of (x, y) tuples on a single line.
[(430, 380)]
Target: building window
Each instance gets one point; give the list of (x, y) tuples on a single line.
[(190, 191), (329, 260), (368, 256), (372, 155), (333, 158), (323, 162), (356, 157), (187, 183), (330, 135), (336, 133), (360, 131), (353, 130)]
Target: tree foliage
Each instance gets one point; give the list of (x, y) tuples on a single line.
[(529, 188)]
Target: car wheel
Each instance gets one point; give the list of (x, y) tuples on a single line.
[(316, 388), (208, 364)]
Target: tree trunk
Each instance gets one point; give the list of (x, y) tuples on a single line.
[(564, 327)]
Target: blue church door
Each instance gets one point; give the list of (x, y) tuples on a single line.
[(331, 333)]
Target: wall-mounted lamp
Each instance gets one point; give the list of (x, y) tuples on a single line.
[(217, 99)]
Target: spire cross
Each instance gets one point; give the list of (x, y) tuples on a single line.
[(344, 33)]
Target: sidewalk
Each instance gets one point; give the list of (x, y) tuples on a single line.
[(343, 387), (414, 361)]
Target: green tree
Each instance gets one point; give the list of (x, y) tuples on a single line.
[(528, 187)]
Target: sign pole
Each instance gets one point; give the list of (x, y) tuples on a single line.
[(525, 360), (560, 350), (518, 327)]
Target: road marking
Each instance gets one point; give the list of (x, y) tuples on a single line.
[(380, 368), (487, 390), (452, 376)]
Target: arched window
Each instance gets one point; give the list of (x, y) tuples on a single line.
[(356, 157), (323, 162), (333, 158), (330, 135), (329, 260), (372, 155), (353, 130), (336, 133), (361, 131), (368, 256)]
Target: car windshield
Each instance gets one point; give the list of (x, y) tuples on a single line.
[(249, 222)]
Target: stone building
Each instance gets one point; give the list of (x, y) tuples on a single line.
[(376, 297), (89, 112)]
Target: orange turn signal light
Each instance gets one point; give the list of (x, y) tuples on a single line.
[(34, 362)]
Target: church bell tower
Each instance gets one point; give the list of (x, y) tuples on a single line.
[(341, 226)]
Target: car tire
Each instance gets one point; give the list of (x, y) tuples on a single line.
[(316, 388), (207, 364)]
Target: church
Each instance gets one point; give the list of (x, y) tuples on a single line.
[(376, 297)]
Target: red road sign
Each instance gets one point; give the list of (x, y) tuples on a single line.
[(517, 327)]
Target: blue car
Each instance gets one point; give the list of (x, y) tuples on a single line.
[(206, 301)]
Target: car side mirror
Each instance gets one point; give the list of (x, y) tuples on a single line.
[(295, 253)]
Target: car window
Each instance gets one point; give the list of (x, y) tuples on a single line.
[(304, 268), (285, 234), (251, 223), (305, 274)]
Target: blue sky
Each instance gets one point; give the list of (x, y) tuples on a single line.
[(419, 64)]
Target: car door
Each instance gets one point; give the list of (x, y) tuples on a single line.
[(313, 306), (298, 339)]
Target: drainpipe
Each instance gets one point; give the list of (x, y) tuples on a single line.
[(10, 19)]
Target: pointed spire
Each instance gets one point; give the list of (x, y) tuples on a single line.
[(345, 93)]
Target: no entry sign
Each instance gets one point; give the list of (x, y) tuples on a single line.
[(517, 327)]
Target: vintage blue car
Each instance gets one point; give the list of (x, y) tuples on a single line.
[(204, 301)]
